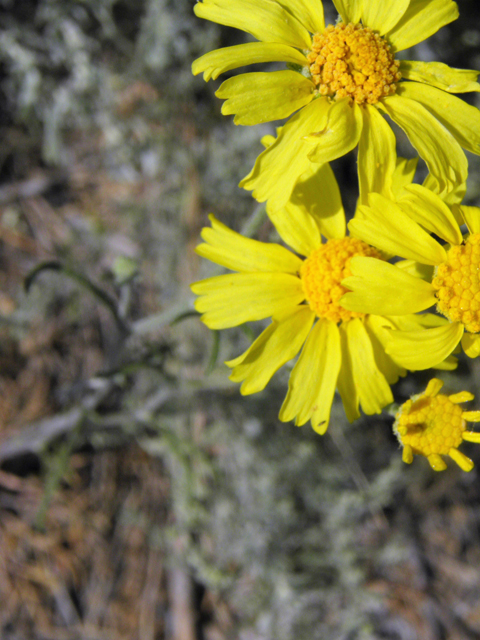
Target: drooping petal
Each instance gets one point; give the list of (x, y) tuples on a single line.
[(430, 212), (471, 344), (381, 288), (460, 397), (346, 384), (374, 391), (263, 19), (318, 194), (433, 387), (349, 10), (417, 350), (306, 216), (308, 12), (340, 135), (279, 343), (297, 228), (422, 19), (455, 196), (377, 330), (262, 97), (314, 377), (403, 174), (471, 216), (381, 16), (434, 143), (384, 225), (376, 155), (461, 459), (214, 63), (461, 119), (230, 300), (278, 168), (440, 75), (235, 252), (417, 269)]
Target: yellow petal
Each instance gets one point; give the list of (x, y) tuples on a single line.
[(346, 384), (278, 168), (416, 322), (297, 228), (407, 454), (373, 389), (461, 459), (279, 343), (416, 350), (422, 19), (440, 75), (349, 10), (381, 15), (308, 12), (313, 379), (262, 97), (455, 196), (424, 271), (235, 252), (340, 134), (376, 155), (459, 118), (449, 364), (214, 63), (230, 300), (460, 397), (377, 331), (434, 143), (471, 344), (384, 225), (430, 212), (433, 387), (471, 216), (318, 195), (436, 462), (403, 174), (380, 288), (265, 20)]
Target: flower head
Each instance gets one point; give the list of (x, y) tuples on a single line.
[(340, 349), (341, 77), (432, 424), (434, 273)]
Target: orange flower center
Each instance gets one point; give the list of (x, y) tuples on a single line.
[(323, 271), (457, 284), (351, 61), (430, 425)]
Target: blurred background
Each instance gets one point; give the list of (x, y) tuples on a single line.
[(141, 497)]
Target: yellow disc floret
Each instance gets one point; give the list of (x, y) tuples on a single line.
[(432, 424), (457, 284), (323, 271), (351, 61)]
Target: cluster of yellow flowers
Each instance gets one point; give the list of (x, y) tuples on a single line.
[(354, 306)]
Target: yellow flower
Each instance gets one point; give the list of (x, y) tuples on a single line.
[(347, 73), (433, 273), (341, 349), (432, 425)]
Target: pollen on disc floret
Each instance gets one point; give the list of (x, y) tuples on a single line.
[(457, 284), (432, 424), (351, 61), (323, 271)]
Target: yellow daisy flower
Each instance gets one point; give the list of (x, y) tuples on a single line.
[(347, 73), (432, 424), (341, 349), (433, 273)]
